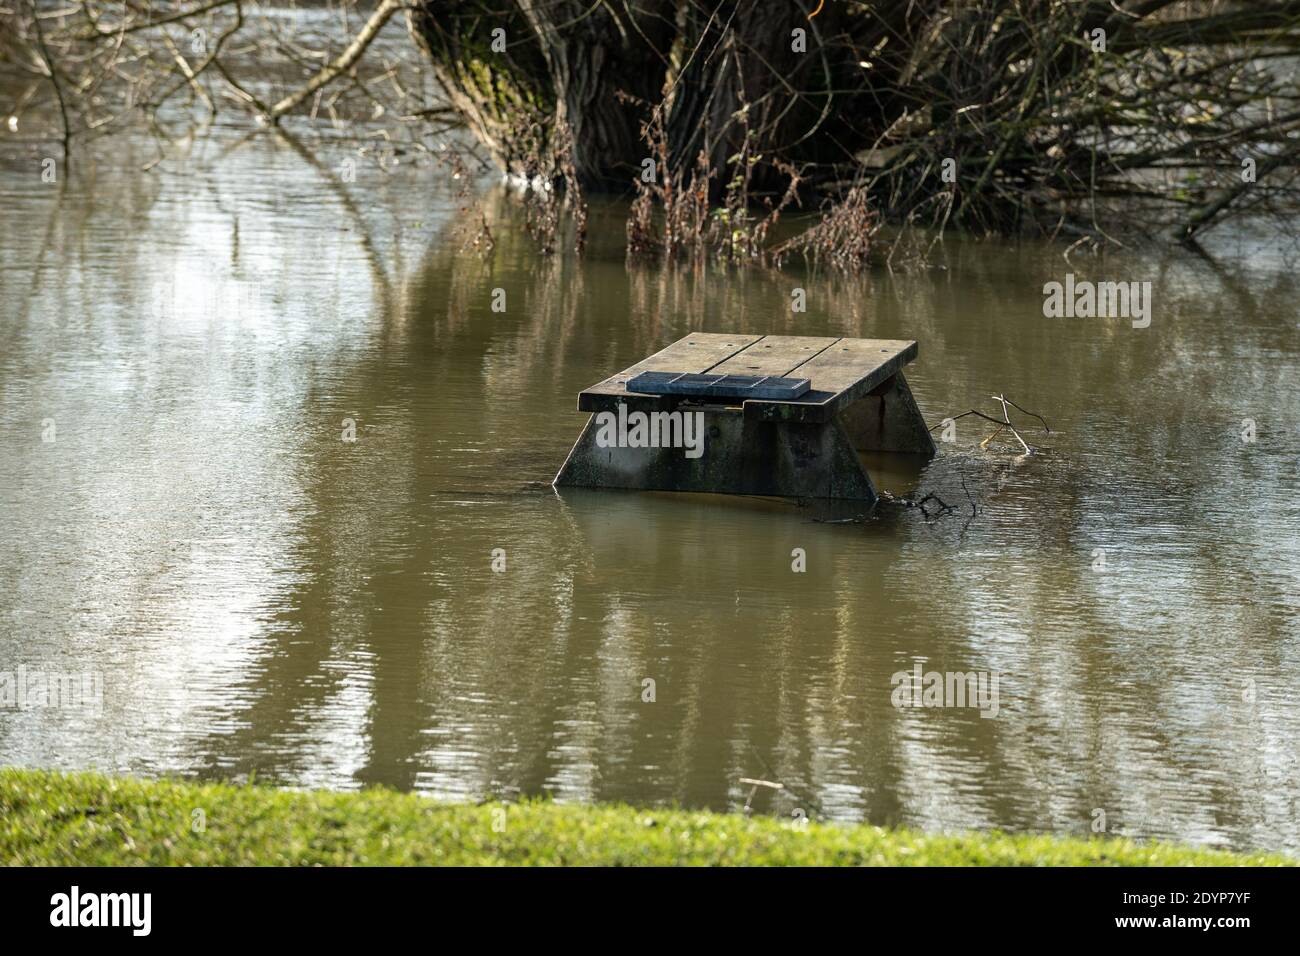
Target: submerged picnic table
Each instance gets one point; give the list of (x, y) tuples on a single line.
[(855, 399)]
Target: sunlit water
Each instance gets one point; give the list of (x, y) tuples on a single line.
[(179, 349)]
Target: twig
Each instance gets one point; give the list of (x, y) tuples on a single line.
[(344, 62), (58, 87), (754, 789), (96, 33), (1003, 423), (1007, 418)]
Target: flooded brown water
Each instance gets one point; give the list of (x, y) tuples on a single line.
[(181, 516)]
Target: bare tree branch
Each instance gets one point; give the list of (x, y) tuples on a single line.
[(344, 62)]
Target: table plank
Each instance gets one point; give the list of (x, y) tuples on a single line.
[(697, 352), (774, 355), (840, 374)]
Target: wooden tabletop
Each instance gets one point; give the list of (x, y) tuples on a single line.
[(841, 371)]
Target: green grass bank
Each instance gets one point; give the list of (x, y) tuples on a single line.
[(51, 818)]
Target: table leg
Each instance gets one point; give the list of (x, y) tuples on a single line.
[(888, 419), (740, 456)]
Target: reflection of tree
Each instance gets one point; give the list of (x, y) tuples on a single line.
[(530, 681), (386, 650)]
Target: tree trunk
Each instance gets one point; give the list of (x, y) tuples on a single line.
[(747, 89), (502, 96), (589, 74), (594, 54), (564, 66)]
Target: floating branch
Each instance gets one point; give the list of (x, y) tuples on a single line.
[(755, 784), (1003, 423)]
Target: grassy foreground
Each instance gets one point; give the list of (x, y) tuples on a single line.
[(87, 819)]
